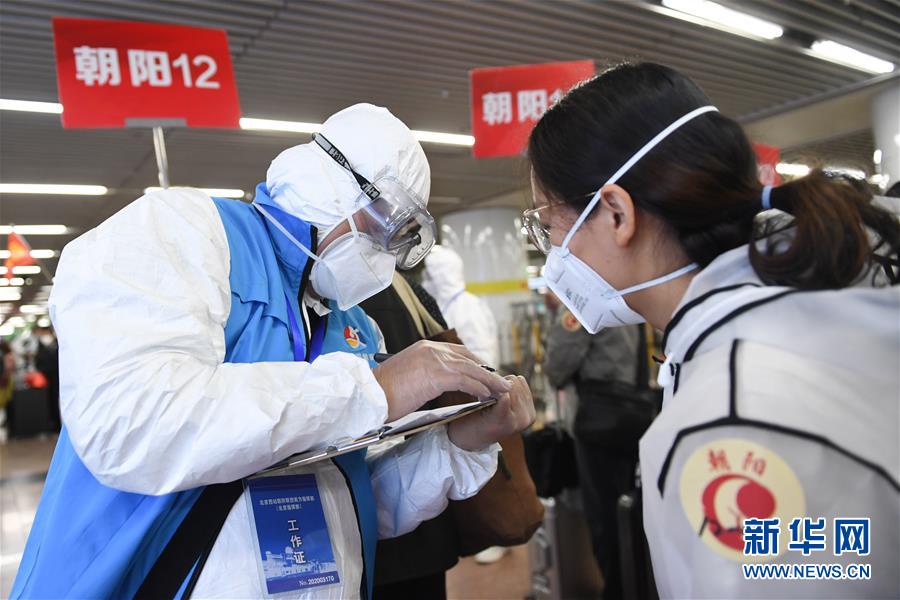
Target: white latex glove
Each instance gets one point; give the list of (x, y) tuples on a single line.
[(426, 370), (513, 412)]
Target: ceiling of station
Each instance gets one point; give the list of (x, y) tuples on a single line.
[(302, 61), (872, 26), (853, 151)]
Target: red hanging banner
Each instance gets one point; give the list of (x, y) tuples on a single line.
[(767, 158), (130, 74), (508, 101)]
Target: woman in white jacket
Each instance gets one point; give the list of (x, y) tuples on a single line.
[(772, 470)]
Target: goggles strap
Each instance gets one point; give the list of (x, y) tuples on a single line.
[(367, 187), (331, 150)]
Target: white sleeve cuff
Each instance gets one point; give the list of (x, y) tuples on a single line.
[(414, 481), (471, 469)]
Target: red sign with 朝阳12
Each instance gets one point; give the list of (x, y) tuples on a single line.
[(508, 101), (767, 159), (129, 74)]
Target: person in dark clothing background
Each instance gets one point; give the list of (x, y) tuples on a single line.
[(46, 360), (597, 364), (414, 565), (397, 325), (7, 370)]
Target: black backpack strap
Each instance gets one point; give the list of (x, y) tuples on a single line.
[(191, 544)]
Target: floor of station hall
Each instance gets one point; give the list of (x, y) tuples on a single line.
[(23, 466)]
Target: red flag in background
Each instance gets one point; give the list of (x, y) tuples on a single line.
[(767, 159), (19, 252)]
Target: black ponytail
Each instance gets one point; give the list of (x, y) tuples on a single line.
[(837, 235), (702, 182)]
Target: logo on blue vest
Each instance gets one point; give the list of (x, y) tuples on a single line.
[(351, 335)]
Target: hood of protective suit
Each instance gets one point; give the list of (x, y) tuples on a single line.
[(309, 184), (444, 275)]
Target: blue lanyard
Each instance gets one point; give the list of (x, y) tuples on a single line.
[(316, 342)]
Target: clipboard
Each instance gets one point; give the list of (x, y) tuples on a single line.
[(411, 424)]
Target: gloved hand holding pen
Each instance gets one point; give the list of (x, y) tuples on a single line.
[(426, 370)]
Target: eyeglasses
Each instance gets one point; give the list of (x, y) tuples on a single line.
[(538, 233)]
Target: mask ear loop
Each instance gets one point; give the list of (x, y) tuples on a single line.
[(659, 280), (630, 163), (352, 221), (581, 218), (287, 233)]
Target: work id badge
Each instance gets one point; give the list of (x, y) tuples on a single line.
[(293, 544)]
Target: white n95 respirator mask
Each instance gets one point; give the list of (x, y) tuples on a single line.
[(594, 302), (351, 269), (590, 298)]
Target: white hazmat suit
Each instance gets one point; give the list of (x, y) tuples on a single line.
[(465, 312), (140, 304)]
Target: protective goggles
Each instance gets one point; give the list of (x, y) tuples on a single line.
[(394, 217)]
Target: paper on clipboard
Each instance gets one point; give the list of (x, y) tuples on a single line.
[(412, 423)]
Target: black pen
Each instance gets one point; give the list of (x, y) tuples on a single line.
[(380, 357)]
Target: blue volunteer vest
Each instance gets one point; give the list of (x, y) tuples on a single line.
[(92, 541)]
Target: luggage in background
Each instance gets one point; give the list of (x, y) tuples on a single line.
[(562, 563), (27, 413), (637, 569)]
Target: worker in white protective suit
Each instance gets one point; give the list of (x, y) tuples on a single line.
[(772, 469), (203, 340), (471, 317)]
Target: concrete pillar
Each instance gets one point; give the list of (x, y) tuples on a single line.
[(886, 127), (493, 250)]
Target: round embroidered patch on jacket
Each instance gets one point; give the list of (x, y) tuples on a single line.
[(727, 481)]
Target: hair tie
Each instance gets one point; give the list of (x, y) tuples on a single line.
[(766, 198)]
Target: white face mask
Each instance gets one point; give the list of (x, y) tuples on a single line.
[(594, 302), (350, 270)]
